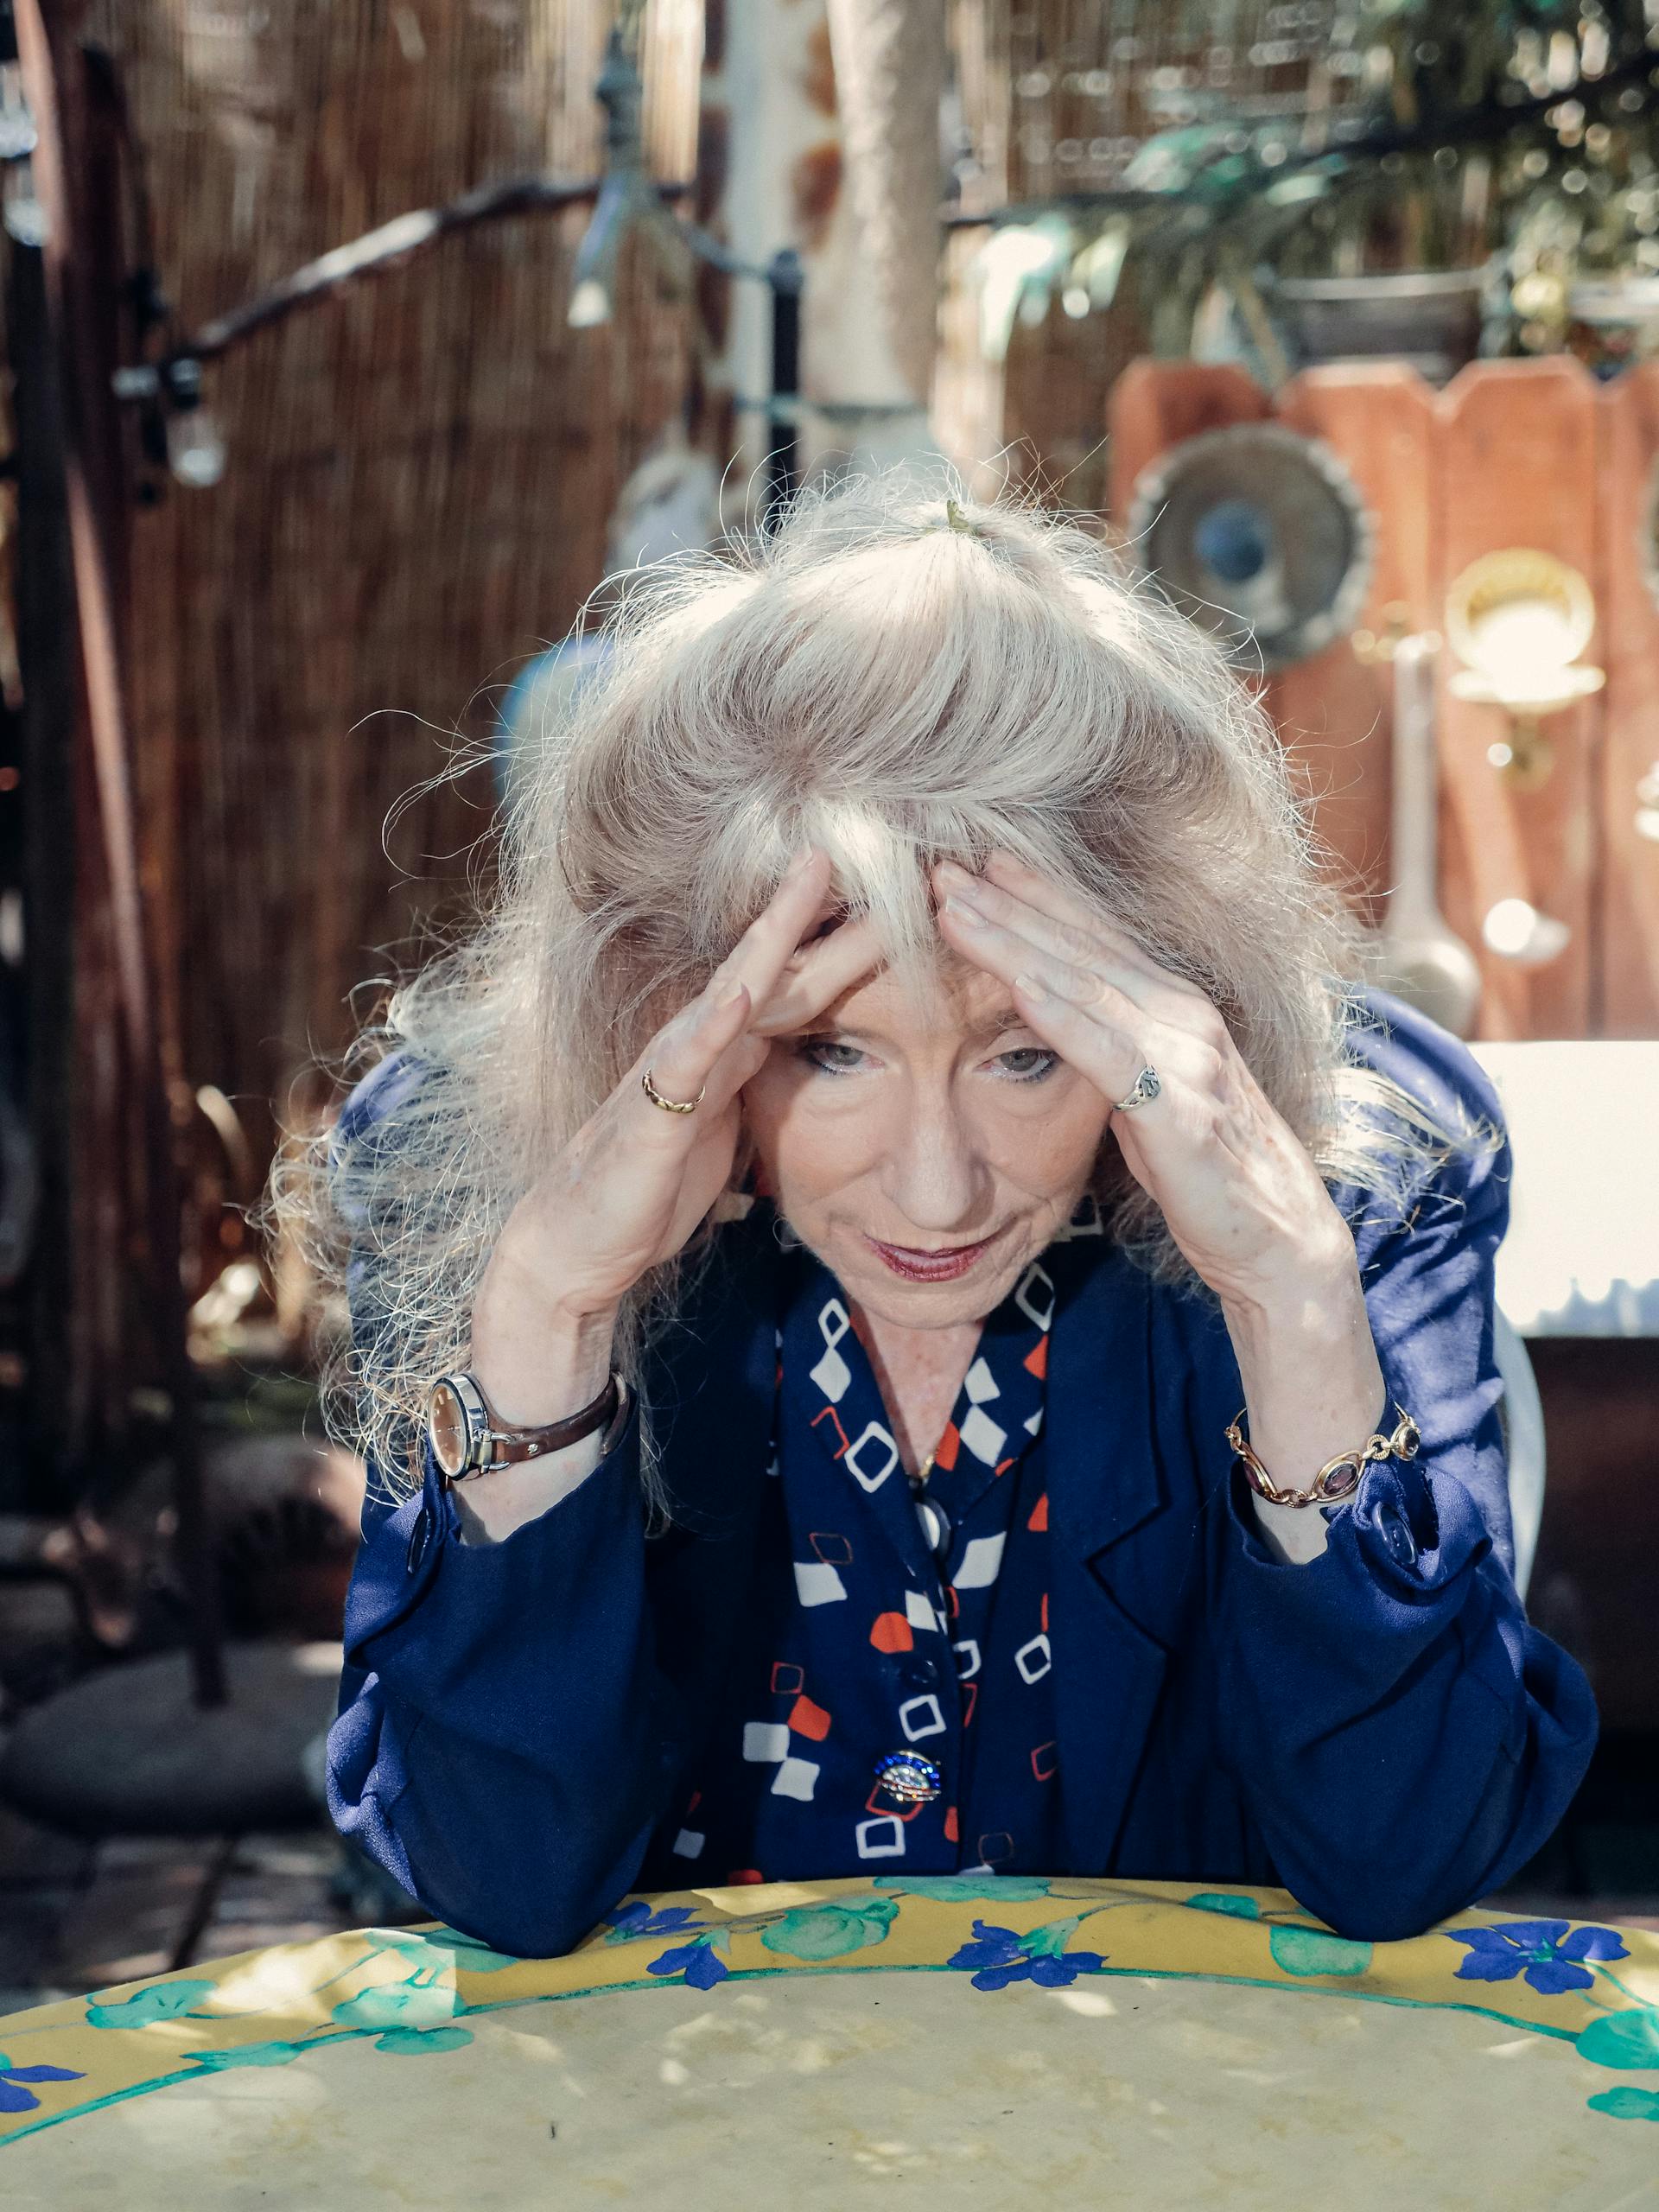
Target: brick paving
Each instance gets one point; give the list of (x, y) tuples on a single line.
[(77, 1917)]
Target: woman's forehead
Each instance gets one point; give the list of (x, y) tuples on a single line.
[(969, 1003)]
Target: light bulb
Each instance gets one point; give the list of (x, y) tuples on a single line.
[(19, 209), (590, 305), (195, 449)]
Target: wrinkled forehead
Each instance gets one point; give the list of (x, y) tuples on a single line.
[(967, 1002)]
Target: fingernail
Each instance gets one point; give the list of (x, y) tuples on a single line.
[(801, 863), (1031, 987), (963, 913), (729, 991)]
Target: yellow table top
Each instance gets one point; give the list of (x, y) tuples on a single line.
[(1020, 2040)]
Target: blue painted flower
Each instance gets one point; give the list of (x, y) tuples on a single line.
[(1546, 1951), (631, 1920), (14, 2096), (997, 1956), (700, 1962)]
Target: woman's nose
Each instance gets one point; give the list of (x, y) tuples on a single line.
[(937, 1175)]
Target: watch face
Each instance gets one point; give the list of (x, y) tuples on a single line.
[(445, 1426)]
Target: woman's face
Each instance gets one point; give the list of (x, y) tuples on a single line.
[(889, 1141)]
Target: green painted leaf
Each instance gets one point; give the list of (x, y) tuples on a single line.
[(1627, 2102), (404, 2004), (1312, 1951), (1049, 1940), (458, 1950), (830, 1931), (405, 2040), (1218, 1901), (165, 2001), (968, 1889), (1626, 2040), (246, 2054)]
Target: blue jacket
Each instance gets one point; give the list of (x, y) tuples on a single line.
[(1380, 1730)]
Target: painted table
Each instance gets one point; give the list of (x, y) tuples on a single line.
[(1022, 2042)]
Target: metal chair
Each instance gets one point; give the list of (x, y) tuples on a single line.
[(1522, 1415)]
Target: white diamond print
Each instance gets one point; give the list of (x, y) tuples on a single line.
[(982, 1437), (816, 1584), (920, 1716), (764, 1739), (876, 1444), (981, 1563), (883, 1837), (688, 1844), (981, 1384), (795, 1778), (920, 1610)]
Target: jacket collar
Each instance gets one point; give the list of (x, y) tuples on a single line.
[(712, 1391)]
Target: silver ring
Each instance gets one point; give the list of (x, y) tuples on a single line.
[(1147, 1086), (671, 1105)]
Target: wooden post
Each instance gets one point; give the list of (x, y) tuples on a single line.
[(1627, 890), (1335, 711), (1518, 466), (80, 317)]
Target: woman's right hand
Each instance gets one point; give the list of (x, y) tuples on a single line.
[(628, 1189)]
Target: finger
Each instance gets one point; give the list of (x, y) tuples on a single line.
[(765, 948), (1104, 949), (1030, 968), (972, 901), (683, 1055), (1067, 908), (1108, 1053), (822, 972), (1071, 909)]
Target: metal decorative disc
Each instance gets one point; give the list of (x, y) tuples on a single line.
[(1259, 535)]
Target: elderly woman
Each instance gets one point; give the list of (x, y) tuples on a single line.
[(907, 1314)]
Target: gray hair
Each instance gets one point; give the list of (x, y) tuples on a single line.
[(898, 674)]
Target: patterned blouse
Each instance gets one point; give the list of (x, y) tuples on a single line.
[(890, 1695)]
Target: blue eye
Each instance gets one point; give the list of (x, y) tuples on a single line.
[(1047, 1062), (811, 1048), (1025, 1064)]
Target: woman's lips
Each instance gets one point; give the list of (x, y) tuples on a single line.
[(931, 1266)]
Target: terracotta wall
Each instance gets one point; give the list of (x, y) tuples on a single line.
[(1530, 453)]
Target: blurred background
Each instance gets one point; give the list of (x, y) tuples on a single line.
[(349, 348)]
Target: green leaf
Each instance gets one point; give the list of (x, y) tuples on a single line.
[(1626, 2040), (1312, 1951), (458, 1950), (1218, 1901), (404, 2004), (830, 1931), (165, 2001), (1627, 2102), (405, 2040), (1049, 1940), (246, 2054), (968, 1889)]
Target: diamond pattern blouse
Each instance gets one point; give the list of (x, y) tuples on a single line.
[(890, 1701)]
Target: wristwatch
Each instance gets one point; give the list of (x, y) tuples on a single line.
[(468, 1437)]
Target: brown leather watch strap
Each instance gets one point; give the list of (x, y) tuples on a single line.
[(513, 1444)]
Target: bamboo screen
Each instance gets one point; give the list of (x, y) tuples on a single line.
[(419, 476)]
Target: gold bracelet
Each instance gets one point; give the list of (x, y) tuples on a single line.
[(1337, 1478)]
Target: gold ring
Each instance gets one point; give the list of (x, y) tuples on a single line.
[(671, 1105)]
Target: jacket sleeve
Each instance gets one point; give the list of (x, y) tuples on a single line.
[(502, 1748), (502, 1743), (1405, 1739)]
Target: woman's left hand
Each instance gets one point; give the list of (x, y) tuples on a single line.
[(1241, 1196)]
